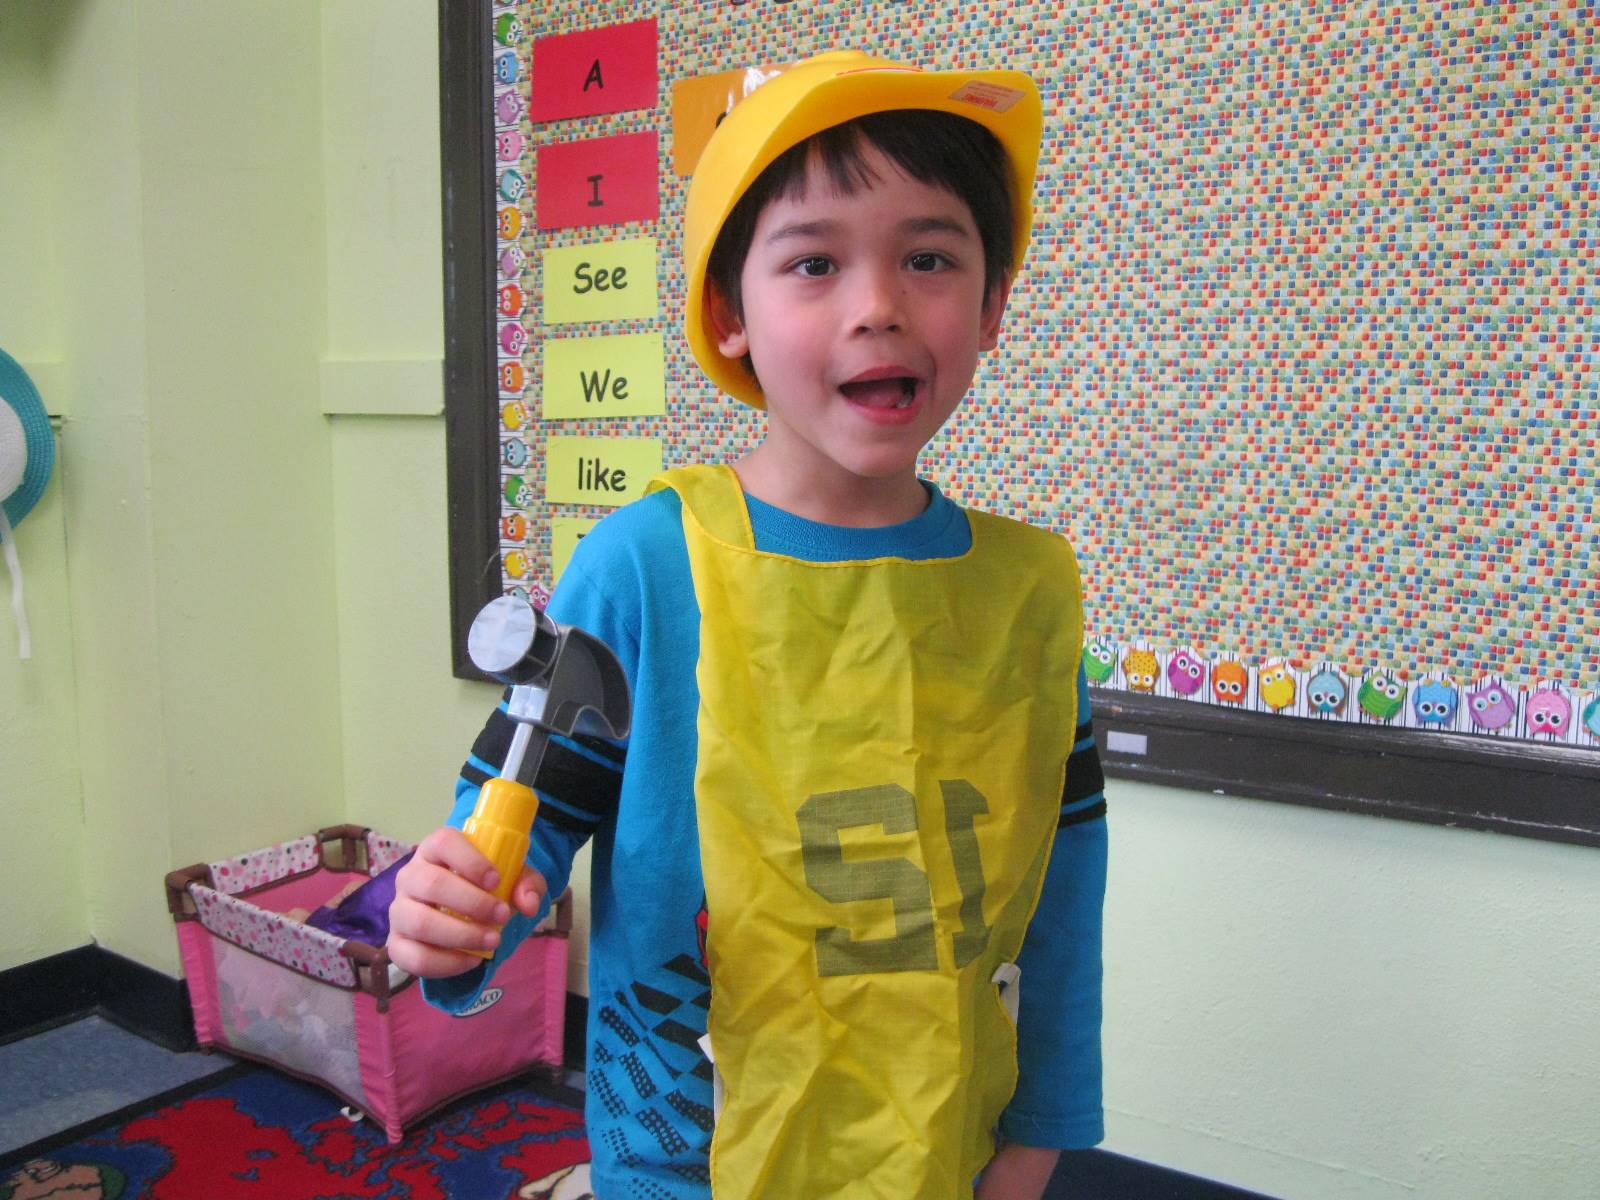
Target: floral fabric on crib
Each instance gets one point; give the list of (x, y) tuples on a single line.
[(261, 867), (273, 936)]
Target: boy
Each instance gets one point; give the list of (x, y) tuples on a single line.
[(861, 766)]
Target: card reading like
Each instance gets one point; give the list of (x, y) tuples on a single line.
[(621, 376), (599, 470), (600, 281), (605, 70)]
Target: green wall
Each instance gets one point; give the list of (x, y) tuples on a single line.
[(219, 229), (219, 226), (42, 852)]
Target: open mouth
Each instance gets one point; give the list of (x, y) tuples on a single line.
[(890, 392)]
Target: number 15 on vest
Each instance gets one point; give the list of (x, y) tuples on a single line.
[(823, 820)]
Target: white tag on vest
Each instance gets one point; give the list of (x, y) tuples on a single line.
[(718, 1095), (1009, 977)]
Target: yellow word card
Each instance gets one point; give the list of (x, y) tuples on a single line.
[(596, 470), (600, 281), (619, 376)]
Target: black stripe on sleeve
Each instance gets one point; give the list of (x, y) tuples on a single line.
[(494, 741), (1093, 813), (547, 812), (579, 782), (562, 819), (1085, 777), (600, 746)]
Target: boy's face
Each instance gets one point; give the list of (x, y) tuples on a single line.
[(864, 316)]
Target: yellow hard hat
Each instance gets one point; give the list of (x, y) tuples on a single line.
[(816, 94)]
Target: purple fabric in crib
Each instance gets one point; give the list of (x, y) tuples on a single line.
[(363, 915)]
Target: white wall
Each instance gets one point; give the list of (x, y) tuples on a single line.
[(1316, 1004)]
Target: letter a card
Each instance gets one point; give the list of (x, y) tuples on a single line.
[(605, 70)]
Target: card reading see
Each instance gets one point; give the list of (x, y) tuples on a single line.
[(600, 281)]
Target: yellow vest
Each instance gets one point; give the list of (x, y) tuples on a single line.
[(882, 751)]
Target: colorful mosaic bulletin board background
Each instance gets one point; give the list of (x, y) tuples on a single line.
[(1303, 360)]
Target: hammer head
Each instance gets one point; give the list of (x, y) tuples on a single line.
[(566, 679)]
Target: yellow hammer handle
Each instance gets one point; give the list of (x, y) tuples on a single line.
[(499, 827)]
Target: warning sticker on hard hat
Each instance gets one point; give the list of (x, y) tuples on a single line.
[(987, 95)]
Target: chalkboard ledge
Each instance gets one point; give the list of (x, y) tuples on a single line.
[(1516, 787)]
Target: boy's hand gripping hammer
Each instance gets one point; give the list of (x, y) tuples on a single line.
[(563, 680)]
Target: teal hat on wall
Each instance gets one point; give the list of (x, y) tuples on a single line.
[(27, 452), (27, 447)]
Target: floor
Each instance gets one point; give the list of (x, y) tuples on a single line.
[(72, 1073)]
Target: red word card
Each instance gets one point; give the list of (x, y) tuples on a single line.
[(600, 181), (605, 70)]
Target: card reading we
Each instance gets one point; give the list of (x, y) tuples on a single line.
[(598, 181), (621, 376), (600, 281), (605, 70), (599, 470)]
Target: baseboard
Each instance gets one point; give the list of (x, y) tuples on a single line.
[(48, 991), (1101, 1173), (146, 1001), (94, 980)]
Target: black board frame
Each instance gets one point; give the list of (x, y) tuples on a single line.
[(472, 471)]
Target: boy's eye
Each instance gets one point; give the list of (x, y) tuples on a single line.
[(925, 260), (813, 266)]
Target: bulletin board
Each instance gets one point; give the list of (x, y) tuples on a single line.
[(1302, 360)]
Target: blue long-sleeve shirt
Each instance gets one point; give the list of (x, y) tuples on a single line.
[(649, 1087)]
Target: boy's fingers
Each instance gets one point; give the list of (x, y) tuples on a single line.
[(442, 888), (439, 930), (427, 962), (530, 891), (442, 906), (451, 848)]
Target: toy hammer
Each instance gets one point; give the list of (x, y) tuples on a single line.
[(563, 681)]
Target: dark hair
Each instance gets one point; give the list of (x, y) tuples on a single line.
[(932, 147)]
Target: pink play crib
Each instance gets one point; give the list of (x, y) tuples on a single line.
[(335, 1011)]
